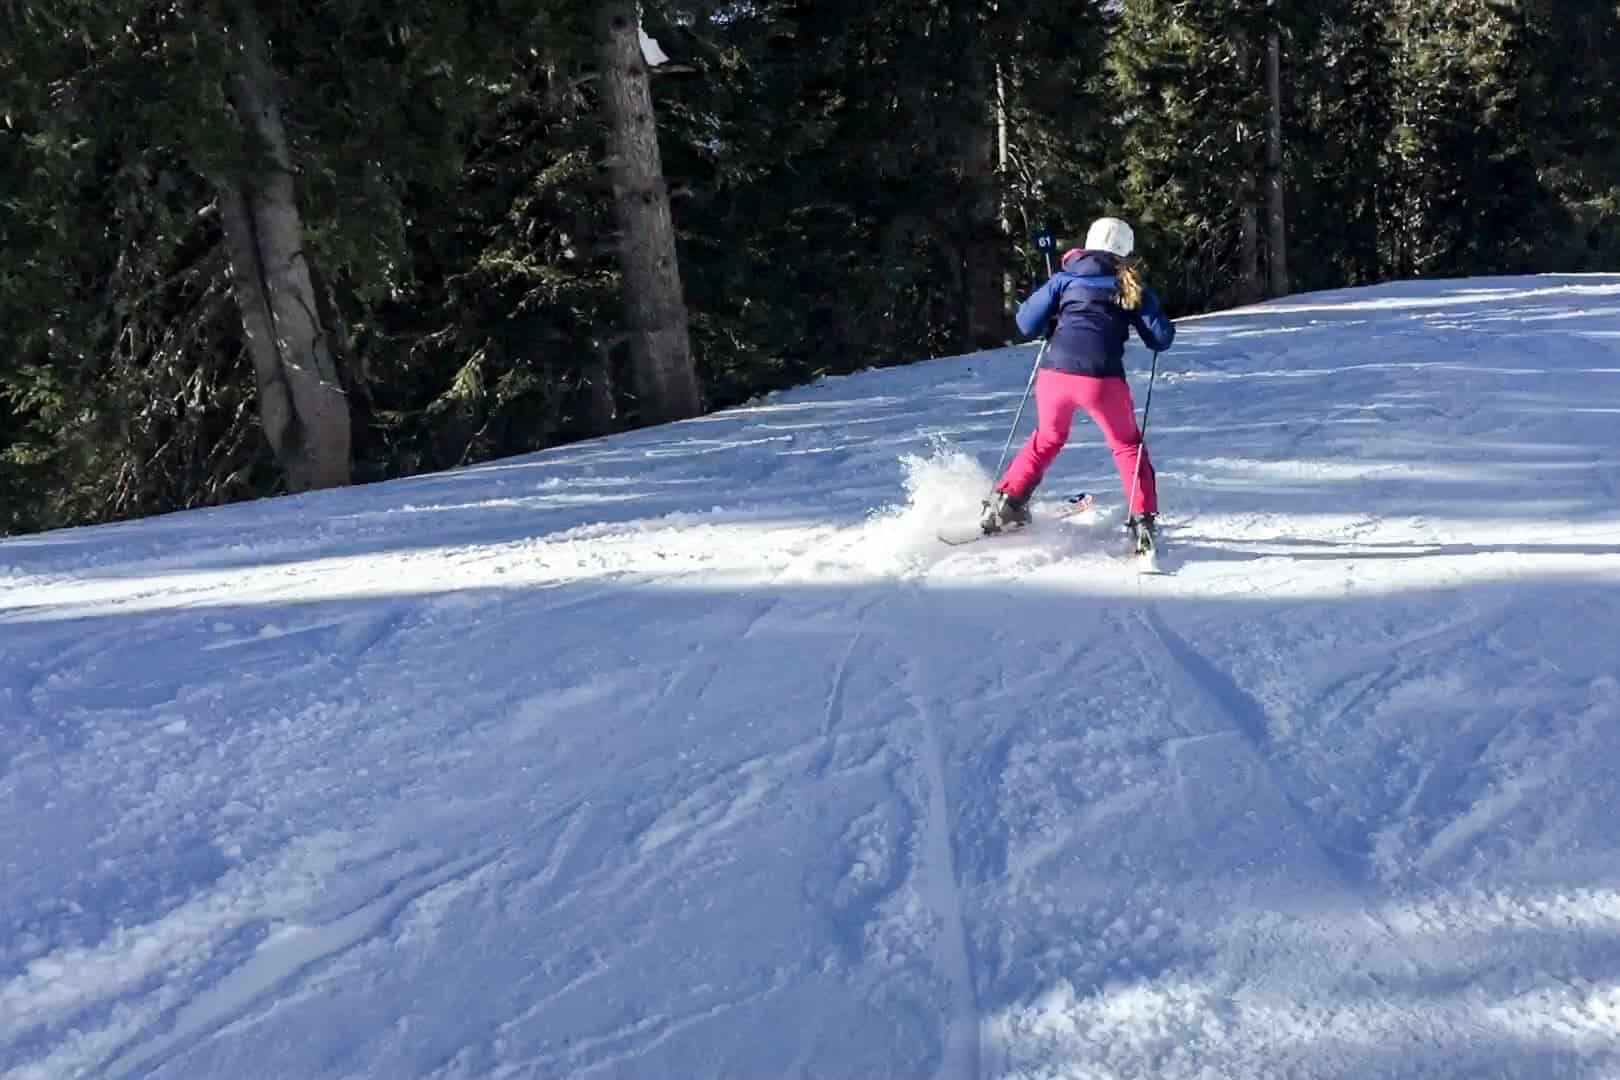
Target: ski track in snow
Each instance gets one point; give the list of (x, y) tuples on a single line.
[(960, 1058), (690, 752)]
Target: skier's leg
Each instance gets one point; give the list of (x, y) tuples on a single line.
[(1114, 411), (1054, 409)]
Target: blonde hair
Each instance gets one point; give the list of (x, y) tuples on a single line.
[(1130, 286)]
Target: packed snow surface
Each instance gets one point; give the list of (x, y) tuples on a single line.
[(691, 752)]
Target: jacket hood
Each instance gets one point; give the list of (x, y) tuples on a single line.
[(1089, 263)]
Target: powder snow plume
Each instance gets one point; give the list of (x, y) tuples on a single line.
[(945, 488)]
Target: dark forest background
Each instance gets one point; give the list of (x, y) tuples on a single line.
[(465, 250)]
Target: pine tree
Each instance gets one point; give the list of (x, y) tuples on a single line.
[(1470, 198), (152, 155), (660, 349), (981, 243), (1191, 83), (1558, 82), (1339, 122), (302, 405), (1276, 199), (1063, 115)]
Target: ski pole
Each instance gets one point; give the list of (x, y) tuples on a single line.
[(1141, 449), (1045, 241), (1019, 415)]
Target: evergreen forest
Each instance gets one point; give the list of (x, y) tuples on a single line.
[(259, 247)]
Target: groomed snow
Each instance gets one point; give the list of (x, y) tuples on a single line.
[(691, 753)]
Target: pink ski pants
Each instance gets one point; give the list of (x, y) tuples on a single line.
[(1108, 402)]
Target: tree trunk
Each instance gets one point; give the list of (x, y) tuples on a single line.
[(1251, 284), (302, 406), (600, 411), (1009, 298), (655, 312), (984, 314), (1276, 220)]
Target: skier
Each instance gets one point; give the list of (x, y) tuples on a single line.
[(1094, 300)]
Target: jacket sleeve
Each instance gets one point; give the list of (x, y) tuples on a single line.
[(1033, 312), (1155, 327)]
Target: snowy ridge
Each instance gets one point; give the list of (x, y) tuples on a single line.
[(692, 753)]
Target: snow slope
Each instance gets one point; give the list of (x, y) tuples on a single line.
[(689, 753)]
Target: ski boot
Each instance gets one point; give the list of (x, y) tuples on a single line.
[(1004, 511), (1143, 529)]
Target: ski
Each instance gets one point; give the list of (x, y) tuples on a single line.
[(1141, 552), (967, 534)]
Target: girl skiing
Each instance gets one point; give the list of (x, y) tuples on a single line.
[(1095, 298)]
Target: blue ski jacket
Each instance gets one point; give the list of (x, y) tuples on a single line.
[(1091, 328)]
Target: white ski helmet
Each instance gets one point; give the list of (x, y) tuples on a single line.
[(1112, 235)]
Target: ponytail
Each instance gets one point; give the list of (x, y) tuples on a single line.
[(1130, 286)]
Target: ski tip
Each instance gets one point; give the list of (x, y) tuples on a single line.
[(1078, 504), (964, 536)]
